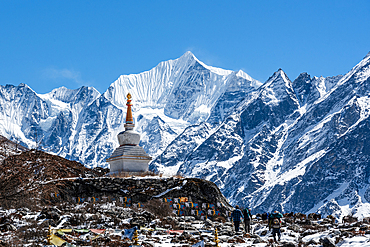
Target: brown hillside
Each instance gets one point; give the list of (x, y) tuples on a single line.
[(8, 148), (27, 175)]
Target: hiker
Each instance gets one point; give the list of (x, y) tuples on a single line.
[(264, 216), (236, 217), (247, 219), (275, 224)]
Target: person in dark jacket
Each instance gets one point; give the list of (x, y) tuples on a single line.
[(247, 219), (236, 217), (275, 224)]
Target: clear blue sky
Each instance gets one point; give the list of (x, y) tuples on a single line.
[(48, 44)]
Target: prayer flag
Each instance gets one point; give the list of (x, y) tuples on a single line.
[(56, 240), (81, 230), (199, 244), (129, 233), (65, 230), (175, 231), (183, 199), (97, 231)]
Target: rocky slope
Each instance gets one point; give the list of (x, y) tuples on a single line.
[(87, 221)]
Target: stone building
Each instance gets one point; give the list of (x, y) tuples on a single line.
[(129, 156)]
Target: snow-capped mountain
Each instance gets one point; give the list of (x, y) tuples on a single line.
[(82, 124), (291, 146), (184, 88)]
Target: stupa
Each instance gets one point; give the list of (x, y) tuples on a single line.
[(129, 156)]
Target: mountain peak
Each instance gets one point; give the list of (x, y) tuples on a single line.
[(279, 74), (24, 85), (189, 54), (367, 55), (277, 88), (67, 95), (189, 57), (303, 77)]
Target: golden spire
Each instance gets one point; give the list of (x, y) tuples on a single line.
[(129, 118)]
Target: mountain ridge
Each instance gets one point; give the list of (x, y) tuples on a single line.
[(267, 146)]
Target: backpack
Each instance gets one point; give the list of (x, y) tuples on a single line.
[(275, 223), (247, 214)]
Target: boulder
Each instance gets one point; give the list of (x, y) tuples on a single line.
[(50, 213), (257, 240), (288, 245), (294, 227), (327, 242)]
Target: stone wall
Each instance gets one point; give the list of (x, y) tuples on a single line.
[(141, 190)]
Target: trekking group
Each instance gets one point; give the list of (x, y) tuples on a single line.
[(273, 219)]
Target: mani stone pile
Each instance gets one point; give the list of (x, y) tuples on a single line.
[(199, 198)]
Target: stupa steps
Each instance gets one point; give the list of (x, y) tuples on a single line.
[(129, 150)]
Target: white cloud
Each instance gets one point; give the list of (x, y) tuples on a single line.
[(60, 74)]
